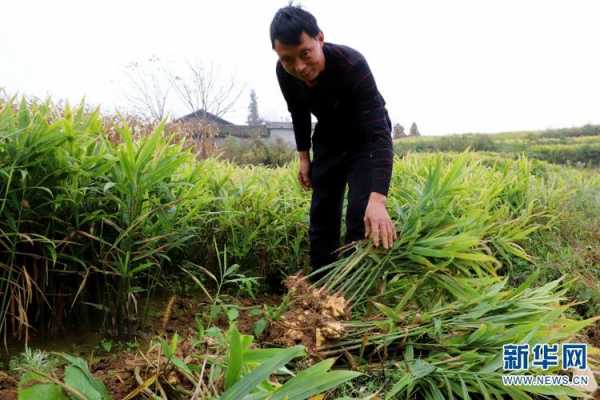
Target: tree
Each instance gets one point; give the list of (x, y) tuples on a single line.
[(149, 88), (153, 83), (206, 88), (399, 131), (253, 116), (414, 131)]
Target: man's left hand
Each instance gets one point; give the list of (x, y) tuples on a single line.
[(378, 224)]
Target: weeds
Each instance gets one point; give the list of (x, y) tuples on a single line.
[(95, 216)]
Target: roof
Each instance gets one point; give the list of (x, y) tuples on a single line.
[(282, 125), (203, 115)]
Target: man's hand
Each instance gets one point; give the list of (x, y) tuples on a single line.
[(378, 224), (304, 172)]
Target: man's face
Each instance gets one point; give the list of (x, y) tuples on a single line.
[(306, 60)]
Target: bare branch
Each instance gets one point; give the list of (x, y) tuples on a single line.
[(149, 88), (205, 88)]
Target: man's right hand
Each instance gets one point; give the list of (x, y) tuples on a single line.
[(304, 172)]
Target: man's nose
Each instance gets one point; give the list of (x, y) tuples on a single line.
[(300, 67)]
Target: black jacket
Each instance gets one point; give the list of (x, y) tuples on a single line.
[(350, 111)]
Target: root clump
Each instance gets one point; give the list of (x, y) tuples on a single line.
[(314, 318)]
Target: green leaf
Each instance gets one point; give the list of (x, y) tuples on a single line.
[(234, 364), (77, 379), (258, 356), (173, 345), (478, 334), (262, 372), (78, 376), (232, 314), (108, 186), (420, 369), (303, 387), (182, 367), (399, 387), (46, 391), (260, 326), (255, 312), (388, 312)]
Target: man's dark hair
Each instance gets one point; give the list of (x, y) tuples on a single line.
[(289, 23)]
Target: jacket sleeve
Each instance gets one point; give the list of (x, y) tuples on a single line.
[(300, 113), (374, 124)]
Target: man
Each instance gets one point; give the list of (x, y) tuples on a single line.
[(352, 139)]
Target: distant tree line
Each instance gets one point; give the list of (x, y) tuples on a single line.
[(586, 130), (560, 146), (398, 131)]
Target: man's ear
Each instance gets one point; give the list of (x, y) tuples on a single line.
[(320, 37)]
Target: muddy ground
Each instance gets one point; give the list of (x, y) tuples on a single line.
[(312, 318)]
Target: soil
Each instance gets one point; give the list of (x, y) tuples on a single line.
[(593, 334), (8, 387), (119, 374), (174, 315), (312, 318)]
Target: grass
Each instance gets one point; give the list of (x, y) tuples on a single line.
[(96, 215), (571, 146)]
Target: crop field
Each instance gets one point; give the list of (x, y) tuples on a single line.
[(173, 277), (571, 146)]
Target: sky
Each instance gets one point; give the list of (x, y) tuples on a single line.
[(450, 66)]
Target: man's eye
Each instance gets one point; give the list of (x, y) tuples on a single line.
[(305, 53)]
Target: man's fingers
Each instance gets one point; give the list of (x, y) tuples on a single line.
[(378, 226), (381, 234), (304, 180), (375, 235), (385, 235)]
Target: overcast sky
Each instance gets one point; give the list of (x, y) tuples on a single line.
[(451, 66)]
